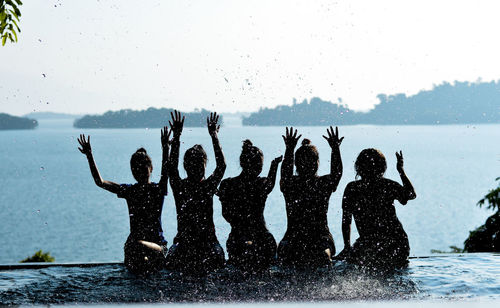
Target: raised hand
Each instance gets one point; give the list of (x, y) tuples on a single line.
[(177, 123), (85, 145), (291, 138), (213, 127), (400, 163), (277, 160), (333, 137), (165, 136)]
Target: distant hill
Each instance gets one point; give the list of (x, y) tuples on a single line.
[(150, 118), (12, 122), (460, 102), (51, 115)]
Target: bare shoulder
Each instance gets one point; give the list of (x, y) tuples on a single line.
[(390, 183), (353, 185)]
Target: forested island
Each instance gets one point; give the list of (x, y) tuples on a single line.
[(8, 121), (457, 103), (150, 118)]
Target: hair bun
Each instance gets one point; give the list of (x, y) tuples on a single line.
[(306, 141), (141, 150), (247, 144)]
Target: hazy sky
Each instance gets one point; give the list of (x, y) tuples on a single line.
[(240, 55)]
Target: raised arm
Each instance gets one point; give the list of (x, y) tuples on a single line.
[(346, 224), (271, 176), (408, 190), (290, 140), (176, 126), (87, 150), (336, 168), (165, 136), (220, 168)]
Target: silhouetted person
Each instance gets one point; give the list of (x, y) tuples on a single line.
[(250, 245), (146, 247), (195, 247), (382, 241), (307, 240)]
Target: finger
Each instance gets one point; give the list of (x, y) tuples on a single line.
[(88, 139), (337, 130), (284, 139), (81, 150), (217, 119), (208, 122), (218, 126), (298, 137), (184, 117), (286, 132), (326, 138), (340, 141)]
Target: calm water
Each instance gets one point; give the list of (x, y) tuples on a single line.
[(49, 201)]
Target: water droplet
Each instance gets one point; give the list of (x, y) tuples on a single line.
[(42, 168)]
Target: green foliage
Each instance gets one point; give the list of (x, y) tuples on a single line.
[(492, 198), (39, 256), (9, 17)]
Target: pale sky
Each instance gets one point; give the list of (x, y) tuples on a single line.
[(240, 55)]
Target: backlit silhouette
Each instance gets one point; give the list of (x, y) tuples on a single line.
[(195, 247), (145, 248), (307, 240), (382, 240), (250, 245)]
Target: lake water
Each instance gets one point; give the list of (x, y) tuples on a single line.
[(49, 201)]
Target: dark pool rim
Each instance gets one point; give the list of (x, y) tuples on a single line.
[(40, 265)]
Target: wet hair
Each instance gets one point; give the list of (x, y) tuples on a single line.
[(194, 156), (251, 157), (140, 162), (370, 164), (307, 158)]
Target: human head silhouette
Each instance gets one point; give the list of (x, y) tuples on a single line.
[(251, 158), (141, 165), (195, 161), (370, 164), (307, 159)]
